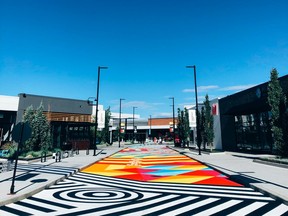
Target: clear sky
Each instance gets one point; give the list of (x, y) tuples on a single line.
[(53, 48)]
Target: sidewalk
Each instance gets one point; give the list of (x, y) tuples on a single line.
[(268, 179), (33, 178)]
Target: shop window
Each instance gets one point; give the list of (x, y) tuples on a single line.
[(253, 132)]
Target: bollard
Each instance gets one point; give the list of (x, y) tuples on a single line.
[(58, 156), (65, 154), (9, 165), (77, 151), (45, 155), (87, 151), (72, 153)]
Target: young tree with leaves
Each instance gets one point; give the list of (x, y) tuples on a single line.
[(209, 123), (183, 126), (40, 136), (29, 118), (277, 102), (202, 137)]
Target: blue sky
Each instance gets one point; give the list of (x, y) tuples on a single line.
[(54, 47)]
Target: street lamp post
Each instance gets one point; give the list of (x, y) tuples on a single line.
[(120, 121), (96, 115), (150, 134), (172, 98), (133, 124), (197, 113)]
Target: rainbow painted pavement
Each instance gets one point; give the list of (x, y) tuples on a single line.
[(158, 163)]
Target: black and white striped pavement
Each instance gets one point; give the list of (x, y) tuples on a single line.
[(87, 194), (48, 169)]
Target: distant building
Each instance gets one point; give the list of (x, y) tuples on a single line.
[(143, 128)]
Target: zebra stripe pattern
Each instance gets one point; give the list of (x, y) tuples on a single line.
[(58, 170), (88, 194)]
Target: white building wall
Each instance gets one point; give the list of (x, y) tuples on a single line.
[(217, 142), (9, 103)]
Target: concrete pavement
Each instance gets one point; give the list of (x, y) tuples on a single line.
[(242, 168), (37, 176)]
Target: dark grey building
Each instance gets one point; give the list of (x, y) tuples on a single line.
[(245, 119), (70, 119), (61, 106)]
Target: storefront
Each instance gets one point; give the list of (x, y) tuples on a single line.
[(71, 135), (70, 119), (245, 119)]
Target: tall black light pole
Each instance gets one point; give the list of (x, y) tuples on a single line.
[(197, 113), (96, 115), (133, 123), (172, 98), (120, 121), (150, 128)]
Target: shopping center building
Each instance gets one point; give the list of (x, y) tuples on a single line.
[(245, 119), (241, 120), (70, 119)]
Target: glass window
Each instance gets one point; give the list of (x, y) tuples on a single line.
[(253, 132)]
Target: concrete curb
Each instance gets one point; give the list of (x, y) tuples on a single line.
[(271, 163), (270, 190)]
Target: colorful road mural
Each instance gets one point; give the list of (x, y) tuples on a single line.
[(158, 163)]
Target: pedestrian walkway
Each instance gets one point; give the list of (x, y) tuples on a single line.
[(94, 193), (89, 194), (107, 192), (158, 163)]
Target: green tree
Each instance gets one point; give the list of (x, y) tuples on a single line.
[(186, 127), (277, 103), (202, 137), (29, 117), (105, 134), (285, 131), (209, 123), (183, 126), (40, 136)]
